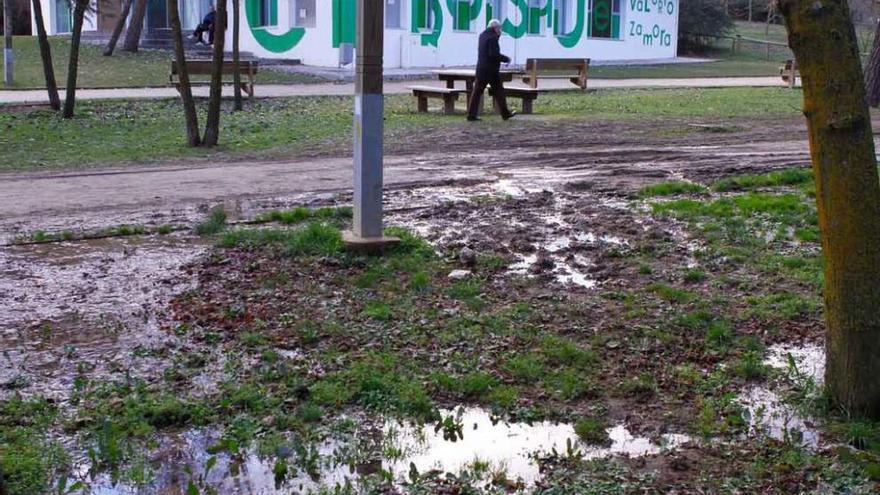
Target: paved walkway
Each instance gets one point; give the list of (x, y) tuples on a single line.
[(397, 87)]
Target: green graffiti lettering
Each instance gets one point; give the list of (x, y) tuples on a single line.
[(344, 20), (569, 40), (275, 43), (420, 19), (513, 30)]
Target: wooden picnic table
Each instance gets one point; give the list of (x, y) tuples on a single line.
[(450, 76)]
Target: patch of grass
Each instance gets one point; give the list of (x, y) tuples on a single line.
[(526, 368), (124, 132), (641, 387), (560, 351), (674, 188), (315, 238), (123, 69), (750, 366), (719, 334), (378, 310), (782, 305), (788, 177), (672, 294), (693, 275), (592, 431), (302, 214), (215, 223)]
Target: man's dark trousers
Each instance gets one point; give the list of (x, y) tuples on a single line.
[(498, 92)]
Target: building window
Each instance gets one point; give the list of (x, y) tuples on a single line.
[(303, 13), (264, 11), (565, 17), (538, 9), (62, 17), (423, 15), (496, 9), (393, 14), (604, 19)]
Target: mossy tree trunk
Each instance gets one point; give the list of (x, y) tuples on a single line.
[(236, 21), (79, 12), (822, 36), (117, 29), (212, 126), (135, 27), (189, 104), (46, 56)]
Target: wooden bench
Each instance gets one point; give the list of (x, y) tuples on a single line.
[(246, 68), (789, 72), (536, 66), (448, 95), (527, 95)]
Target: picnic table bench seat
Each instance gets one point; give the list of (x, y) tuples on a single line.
[(246, 68), (527, 95), (548, 68), (448, 95)]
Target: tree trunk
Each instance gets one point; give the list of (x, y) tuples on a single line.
[(189, 104), (872, 71), (212, 126), (236, 78), (46, 56), (822, 36), (133, 35), (79, 11), (117, 30), (7, 42)]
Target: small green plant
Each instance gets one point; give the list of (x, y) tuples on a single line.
[(672, 294), (526, 368), (215, 223), (694, 275), (641, 387), (750, 366), (378, 310), (592, 431)]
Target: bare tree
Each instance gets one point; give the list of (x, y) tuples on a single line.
[(117, 29), (7, 42), (46, 56), (823, 39), (212, 126), (236, 77), (79, 12), (135, 27), (189, 104)]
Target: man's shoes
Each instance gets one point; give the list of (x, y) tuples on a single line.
[(510, 115), (474, 119)]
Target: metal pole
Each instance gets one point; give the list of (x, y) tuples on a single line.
[(7, 42), (368, 128)]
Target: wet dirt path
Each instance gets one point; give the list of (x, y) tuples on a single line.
[(180, 194)]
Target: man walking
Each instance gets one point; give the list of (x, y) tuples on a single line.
[(489, 59)]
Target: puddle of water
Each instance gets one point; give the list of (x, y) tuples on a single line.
[(513, 448), (508, 447), (768, 413)]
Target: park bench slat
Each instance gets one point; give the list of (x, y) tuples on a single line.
[(789, 72), (527, 95), (536, 68), (448, 95), (247, 68)]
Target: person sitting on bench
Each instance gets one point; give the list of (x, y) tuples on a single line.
[(206, 25), (489, 59)]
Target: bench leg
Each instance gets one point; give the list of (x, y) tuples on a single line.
[(449, 104), (527, 105), (423, 104)]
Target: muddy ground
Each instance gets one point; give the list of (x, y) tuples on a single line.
[(652, 349)]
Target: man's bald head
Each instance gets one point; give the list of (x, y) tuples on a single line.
[(495, 24)]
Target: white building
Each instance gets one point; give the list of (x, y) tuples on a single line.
[(432, 33)]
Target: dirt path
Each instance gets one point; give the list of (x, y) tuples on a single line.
[(400, 87)]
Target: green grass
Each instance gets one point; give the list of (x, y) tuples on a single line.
[(214, 224), (592, 431), (119, 133), (316, 238), (123, 69), (788, 177), (673, 188), (719, 68)]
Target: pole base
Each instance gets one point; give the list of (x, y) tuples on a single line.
[(353, 242)]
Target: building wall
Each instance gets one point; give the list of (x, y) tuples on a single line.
[(647, 30), (52, 9)]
